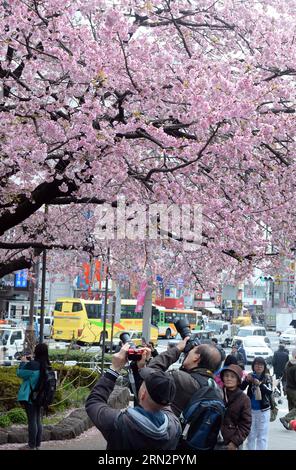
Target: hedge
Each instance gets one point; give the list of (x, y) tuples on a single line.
[(4, 421), (76, 355), (17, 416), (9, 386), (67, 375)]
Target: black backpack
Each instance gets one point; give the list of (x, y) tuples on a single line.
[(43, 395), (202, 418)]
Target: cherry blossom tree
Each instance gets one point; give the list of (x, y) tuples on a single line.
[(161, 101)]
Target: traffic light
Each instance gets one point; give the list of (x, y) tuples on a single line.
[(86, 268)]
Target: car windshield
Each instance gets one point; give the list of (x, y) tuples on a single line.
[(242, 332), (214, 326), (254, 341), (4, 335)]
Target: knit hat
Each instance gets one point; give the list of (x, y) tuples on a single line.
[(234, 368), (160, 385)]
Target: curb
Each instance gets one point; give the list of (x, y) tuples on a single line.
[(69, 428)]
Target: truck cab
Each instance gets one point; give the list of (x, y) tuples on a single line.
[(224, 331), (11, 341)]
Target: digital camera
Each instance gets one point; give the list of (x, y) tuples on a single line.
[(182, 326), (134, 353)]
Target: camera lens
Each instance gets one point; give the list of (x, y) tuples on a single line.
[(124, 337), (182, 326)]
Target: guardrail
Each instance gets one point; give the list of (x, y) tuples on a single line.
[(89, 365)]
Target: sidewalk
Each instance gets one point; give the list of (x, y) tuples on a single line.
[(279, 438), (92, 439)]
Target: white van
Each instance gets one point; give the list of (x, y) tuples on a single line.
[(251, 331), (224, 331), (48, 321), (11, 341)]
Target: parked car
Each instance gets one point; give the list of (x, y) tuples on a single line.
[(245, 331), (288, 336), (256, 346)]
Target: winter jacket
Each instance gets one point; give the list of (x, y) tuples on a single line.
[(290, 375), (241, 350), (238, 417), (240, 358), (30, 373), (132, 428), (279, 360), (187, 382), (265, 388)]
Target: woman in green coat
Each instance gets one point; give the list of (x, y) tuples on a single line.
[(32, 372)]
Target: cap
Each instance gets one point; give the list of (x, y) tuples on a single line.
[(160, 385), (234, 368)]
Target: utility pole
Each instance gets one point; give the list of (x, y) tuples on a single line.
[(147, 310), (43, 281), (29, 334), (112, 321), (105, 311), (272, 293)]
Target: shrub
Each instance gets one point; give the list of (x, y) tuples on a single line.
[(76, 355), (4, 421), (9, 386), (17, 416), (69, 378), (77, 376)]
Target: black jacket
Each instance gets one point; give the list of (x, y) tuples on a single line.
[(187, 382), (290, 375), (279, 360), (128, 429), (266, 391)]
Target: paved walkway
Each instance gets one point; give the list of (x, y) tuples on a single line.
[(279, 438)]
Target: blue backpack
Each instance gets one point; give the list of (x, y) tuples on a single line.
[(202, 418)]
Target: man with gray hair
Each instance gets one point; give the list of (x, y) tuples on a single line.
[(290, 379)]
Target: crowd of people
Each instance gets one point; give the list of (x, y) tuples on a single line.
[(162, 394), (247, 415)]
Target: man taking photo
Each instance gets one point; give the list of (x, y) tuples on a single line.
[(151, 425)]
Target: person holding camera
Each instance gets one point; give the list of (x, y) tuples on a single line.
[(259, 391), (32, 371), (151, 425), (199, 365)]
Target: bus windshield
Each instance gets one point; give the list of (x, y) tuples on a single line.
[(93, 310)]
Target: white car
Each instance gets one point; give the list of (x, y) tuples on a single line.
[(245, 331), (288, 336), (256, 346)]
